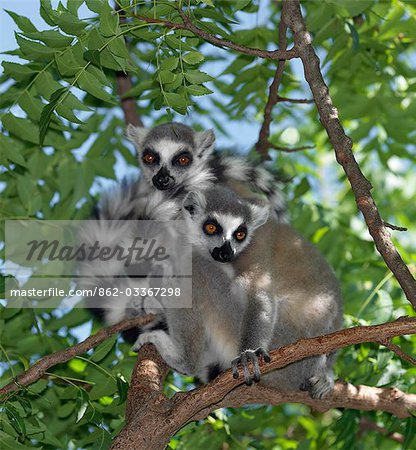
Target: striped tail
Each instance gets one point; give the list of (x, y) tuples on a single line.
[(261, 179)]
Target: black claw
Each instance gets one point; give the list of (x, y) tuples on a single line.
[(244, 359), (244, 363), (234, 366), (261, 352)]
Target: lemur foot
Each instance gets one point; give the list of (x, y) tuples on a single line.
[(156, 337), (318, 385), (244, 359)]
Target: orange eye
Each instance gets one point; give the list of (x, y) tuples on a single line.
[(148, 158), (184, 160), (240, 235), (210, 228)]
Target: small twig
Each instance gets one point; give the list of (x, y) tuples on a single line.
[(263, 144), (394, 227), (396, 349), (295, 100), (40, 367), (289, 149), (366, 424)]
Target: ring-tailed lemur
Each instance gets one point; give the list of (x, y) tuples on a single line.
[(176, 159), (201, 341), (292, 292)]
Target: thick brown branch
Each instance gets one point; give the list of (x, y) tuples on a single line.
[(262, 145), (219, 42), (343, 149), (40, 367), (123, 82), (344, 395), (152, 424), (221, 386)]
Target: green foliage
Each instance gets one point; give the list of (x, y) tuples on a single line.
[(63, 132)]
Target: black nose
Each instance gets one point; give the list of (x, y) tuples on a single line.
[(223, 254), (163, 180)]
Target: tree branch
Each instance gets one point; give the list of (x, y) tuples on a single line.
[(124, 84), (289, 149), (40, 367), (295, 100), (153, 423), (187, 24), (343, 149), (396, 349), (367, 424)]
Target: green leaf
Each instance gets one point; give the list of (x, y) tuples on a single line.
[(25, 188), (241, 4), (355, 36), (22, 128), (45, 117), (175, 100), (122, 387), (206, 2), (45, 11), (15, 419), (68, 23), (197, 77), (118, 47), (17, 71), (51, 38), (67, 63), (93, 86), (166, 77), (108, 21), (9, 443), (102, 441), (33, 50), (93, 56), (103, 349), (170, 63), (196, 89), (94, 5), (193, 58), (22, 22)]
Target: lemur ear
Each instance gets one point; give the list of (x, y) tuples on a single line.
[(193, 202), (260, 210), (204, 141), (137, 135)]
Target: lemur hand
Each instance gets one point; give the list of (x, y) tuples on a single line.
[(244, 359)]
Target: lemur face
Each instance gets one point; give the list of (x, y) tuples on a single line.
[(221, 224), (170, 153)]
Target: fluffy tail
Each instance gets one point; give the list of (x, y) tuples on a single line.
[(228, 168), (116, 224)]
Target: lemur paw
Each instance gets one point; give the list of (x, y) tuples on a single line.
[(244, 359), (148, 337), (318, 386)]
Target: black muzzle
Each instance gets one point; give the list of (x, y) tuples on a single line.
[(163, 180), (224, 253)]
